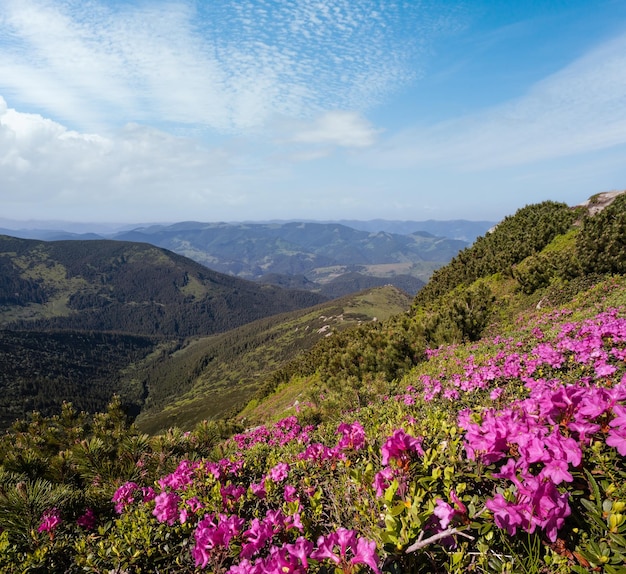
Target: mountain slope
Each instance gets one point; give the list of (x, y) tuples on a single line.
[(85, 320), (107, 285), (542, 255), (215, 376)]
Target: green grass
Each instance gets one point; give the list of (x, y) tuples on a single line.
[(214, 376)]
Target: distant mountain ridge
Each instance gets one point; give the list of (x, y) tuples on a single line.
[(321, 252), (334, 257), (463, 229)]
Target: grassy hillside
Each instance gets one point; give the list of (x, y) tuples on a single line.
[(212, 377)]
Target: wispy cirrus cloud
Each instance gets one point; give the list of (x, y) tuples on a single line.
[(227, 66), (579, 109)]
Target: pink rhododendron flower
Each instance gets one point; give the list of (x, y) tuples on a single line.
[(604, 369), (301, 550), (382, 480), (181, 478), (451, 394), (256, 536), (400, 447), (294, 521), (231, 493), (87, 520), (617, 434), (352, 436), (432, 387), (538, 504), (408, 400), (557, 471), (259, 489), (190, 507), (547, 354), (290, 493), (50, 519), (214, 531), (166, 507), (147, 494), (444, 512), (279, 472), (124, 496), (365, 553), (318, 452), (505, 514), (183, 515), (352, 550)]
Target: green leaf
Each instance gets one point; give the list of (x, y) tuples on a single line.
[(595, 489), (397, 509)]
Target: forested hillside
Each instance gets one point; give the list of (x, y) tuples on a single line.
[(212, 377), (482, 431), (168, 380), (127, 287), (78, 319), (38, 371)]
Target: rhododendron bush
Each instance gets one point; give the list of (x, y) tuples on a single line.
[(504, 456)]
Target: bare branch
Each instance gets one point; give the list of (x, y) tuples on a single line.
[(430, 540)]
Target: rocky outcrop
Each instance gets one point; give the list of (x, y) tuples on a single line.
[(598, 202)]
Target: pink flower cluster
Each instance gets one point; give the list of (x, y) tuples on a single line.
[(538, 503), (87, 520), (597, 346), (213, 532), (541, 438), (281, 433), (269, 542), (342, 548), (397, 453), (128, 493), (400, 448)]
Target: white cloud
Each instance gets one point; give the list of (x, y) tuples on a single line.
[(41, 161), (344, 129), (580, 109)]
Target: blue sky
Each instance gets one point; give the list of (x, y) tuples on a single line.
[(162, 111)]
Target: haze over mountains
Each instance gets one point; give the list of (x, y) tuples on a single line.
[(331, 258), (462, 229)]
